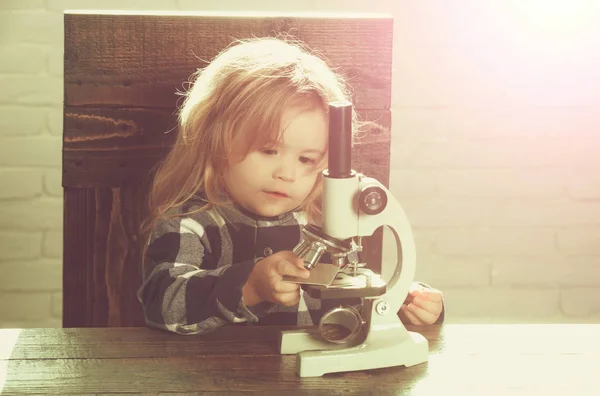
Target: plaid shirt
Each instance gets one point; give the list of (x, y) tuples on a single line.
[(196, 266)]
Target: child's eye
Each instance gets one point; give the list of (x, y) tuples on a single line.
[(307, 160), (269, 151)]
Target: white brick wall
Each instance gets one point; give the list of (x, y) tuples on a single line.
[(494, 151)]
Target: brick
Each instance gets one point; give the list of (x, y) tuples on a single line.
[(20, 183), (492, 124), (447, 31), (38, 214), (422, 124), (55, 121), (581, 302), (544, 213), (53, 182), (31, 151), (19, 245), (35, 90), (21, 121), (20, 306), (546, 271), (22, 4), (495, 242), (580, 241), (52, 245), (34, 26), (510, 213), (267, 5), (506, 183), (433, 213), (34, 276), (451, 272), (522, 304), (61, 5), (405, 155), (423, 241), (20, 58), (507, 123), (585, 184), (56, 61), (50, 322), (517, 153), (456, 63), (412, 183), (57, 304)]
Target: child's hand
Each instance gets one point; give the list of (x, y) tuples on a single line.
[(422, 306), (265, 281)]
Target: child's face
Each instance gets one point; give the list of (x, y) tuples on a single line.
[(275, 180)]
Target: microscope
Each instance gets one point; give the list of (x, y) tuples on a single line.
[(354, 206)]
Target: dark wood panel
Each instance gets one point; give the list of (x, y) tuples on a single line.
[(78, 248), (143, 60), (102, 270), (105, 147), (122, 73)]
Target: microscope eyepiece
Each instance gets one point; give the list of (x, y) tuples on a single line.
[(340, 140)]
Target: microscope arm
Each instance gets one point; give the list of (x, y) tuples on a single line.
[(345, 206)]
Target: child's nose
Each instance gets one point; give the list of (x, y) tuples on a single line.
[(286, 171)]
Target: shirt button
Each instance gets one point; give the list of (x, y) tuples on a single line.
[(268, 251)]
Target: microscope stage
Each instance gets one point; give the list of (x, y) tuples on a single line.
[(347, 286)]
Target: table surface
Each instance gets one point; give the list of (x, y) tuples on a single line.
[(551, 359)]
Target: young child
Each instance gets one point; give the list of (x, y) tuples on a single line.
[(228, 202)]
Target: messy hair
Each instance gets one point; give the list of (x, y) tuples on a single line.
[(238, 99)]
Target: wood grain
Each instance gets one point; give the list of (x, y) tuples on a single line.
[(463, 359), (144, 60), (106, 147), (122, 78)]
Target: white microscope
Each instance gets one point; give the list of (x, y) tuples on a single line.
[(354, 206)]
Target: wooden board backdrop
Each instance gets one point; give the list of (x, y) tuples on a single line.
[(122, 72)]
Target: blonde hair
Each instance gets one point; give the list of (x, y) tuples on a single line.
[(239, 98)]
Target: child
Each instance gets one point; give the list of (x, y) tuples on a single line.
[(228, 202)]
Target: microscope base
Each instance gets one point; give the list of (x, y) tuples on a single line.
[(404, 348)]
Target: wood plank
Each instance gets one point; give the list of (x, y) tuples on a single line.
[(78, 247), (191, 374), (464, 359), (142, 342), (112, 64), (104, 147), (104, 225)]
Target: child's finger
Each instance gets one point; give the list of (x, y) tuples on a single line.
[(433, 307), (293, 258), (285, 287), (285, 267), (431, 295), (424, 316), (412, 318), (288, 299)]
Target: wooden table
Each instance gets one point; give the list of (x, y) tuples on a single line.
[(464, 360)]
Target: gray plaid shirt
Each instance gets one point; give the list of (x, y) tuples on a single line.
[(196, 266)]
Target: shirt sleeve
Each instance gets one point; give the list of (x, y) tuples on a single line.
[(183, 290)]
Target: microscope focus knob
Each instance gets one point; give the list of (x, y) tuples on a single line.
[(372, 200)]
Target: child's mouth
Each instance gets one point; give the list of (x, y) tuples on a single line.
[(276, 194)]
